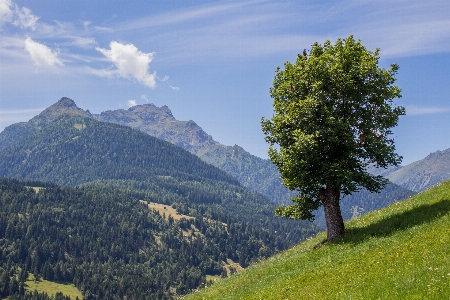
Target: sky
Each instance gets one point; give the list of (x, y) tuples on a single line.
[(214, 62)]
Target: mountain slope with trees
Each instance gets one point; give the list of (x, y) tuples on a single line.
[(111, 246), (423, 174), (255, 173), (73, 149)]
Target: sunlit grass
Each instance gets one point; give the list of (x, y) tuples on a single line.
[(401, 252), (51, 288)]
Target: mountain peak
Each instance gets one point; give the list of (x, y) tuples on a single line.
[(152, 112), (66, 102), (64, 106)]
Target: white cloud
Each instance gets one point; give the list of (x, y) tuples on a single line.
[(174, 87), (130, 62), (25, 18), (421, 110), (131, 103), (143, 97), (41, 54), (6, 13)]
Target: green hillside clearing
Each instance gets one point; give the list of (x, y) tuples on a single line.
[(51, 288), (401, 252)]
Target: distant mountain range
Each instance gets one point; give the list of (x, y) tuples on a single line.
[(66, 145), (255, 173)]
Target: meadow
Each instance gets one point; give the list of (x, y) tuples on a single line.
[(400, 252)]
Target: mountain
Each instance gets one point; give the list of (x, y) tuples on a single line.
[(255, 173), (400, 252), (74, 149), (104, 158), (110, 245), (18, 131), (423, 174)]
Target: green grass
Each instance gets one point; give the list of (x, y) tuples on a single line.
[(401, 252), (37, 189), (51, 288)]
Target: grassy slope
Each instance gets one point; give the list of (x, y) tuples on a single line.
[(51, 288), (401, 252)]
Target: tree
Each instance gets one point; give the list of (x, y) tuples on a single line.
[(333, 114)]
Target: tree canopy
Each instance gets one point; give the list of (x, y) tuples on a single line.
[(333, 114)]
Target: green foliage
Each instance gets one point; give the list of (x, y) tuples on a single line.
[(400, 252), (333, 113)]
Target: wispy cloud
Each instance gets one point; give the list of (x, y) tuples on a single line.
[(82, 42), (6, 13), (423, 110), (262, 28), (182, 16), (25, 18), (42, 55), (130, 62)]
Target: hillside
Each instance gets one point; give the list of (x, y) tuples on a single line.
[(255, 173), (400, 252), (258, 175), (110, 245), (423, 174), (74, 149)]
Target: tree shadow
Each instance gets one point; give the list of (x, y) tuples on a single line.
[(417, 216)]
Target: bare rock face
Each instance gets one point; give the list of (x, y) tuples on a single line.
[(159, 122)]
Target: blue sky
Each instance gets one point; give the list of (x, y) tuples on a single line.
[(213, 62)]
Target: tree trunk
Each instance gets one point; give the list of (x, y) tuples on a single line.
[(333, 217)]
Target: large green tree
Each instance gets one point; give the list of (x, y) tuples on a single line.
[(333, 114)]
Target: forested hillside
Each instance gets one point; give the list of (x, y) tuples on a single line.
[(111, 246), (114, 167), (255, 173), (73, 149)]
